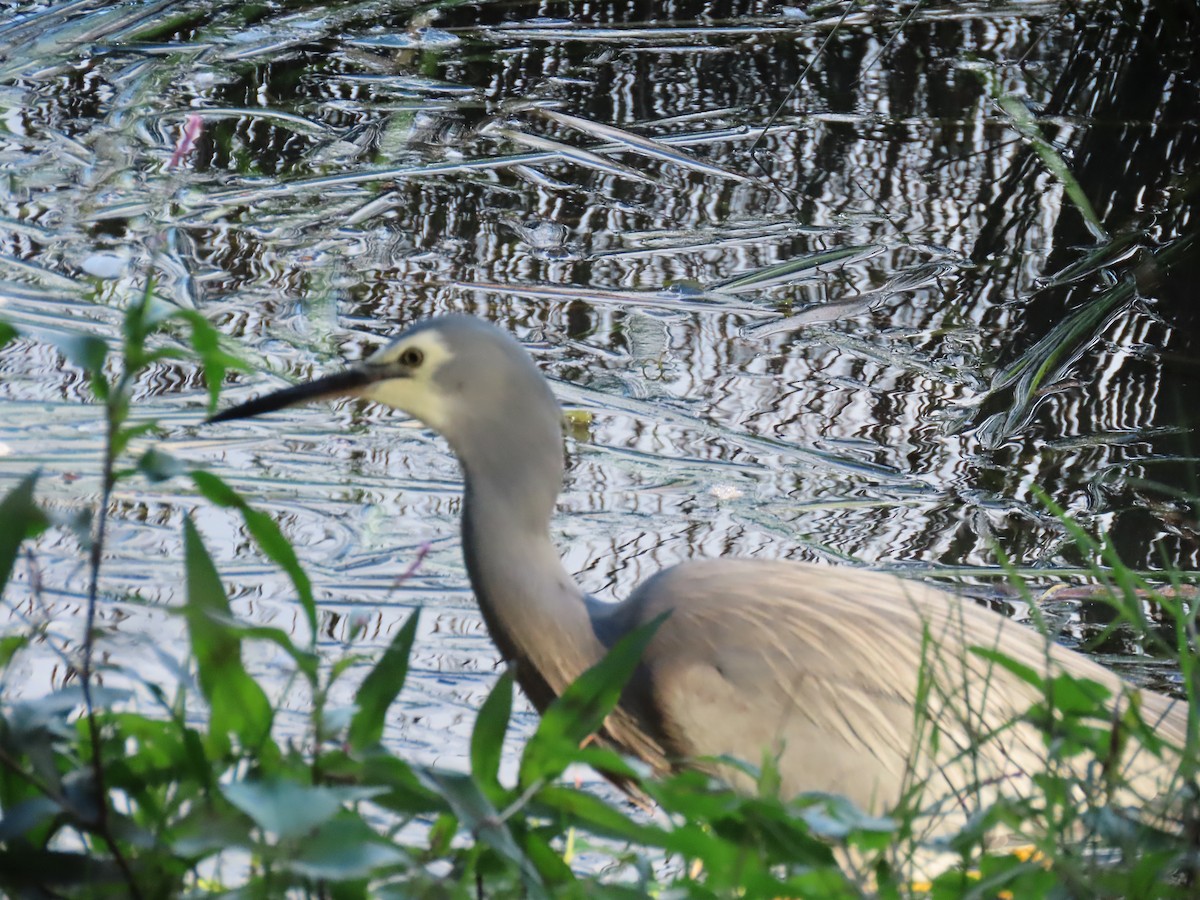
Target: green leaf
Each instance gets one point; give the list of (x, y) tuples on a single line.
[(134, 329), (381, 686), (306, 661), (550, 864), (441, 834), (594, 815), (341, 666), (836, 817), (695, 841), (1026, 673), (286, 809), (7, 332), (238, 704), (88, 353), (487, 738), (827, 882), (20, 519), (22, 818), (160, 753), (582, 708), (124, 435), (343, 849), (1080, 697), (208, 828), (1027, 126), (159, 466), (83, 350), (268, 537), (609, 762), (10, 646), (404, 792), (693, 795), (477, 814), (206, 342)]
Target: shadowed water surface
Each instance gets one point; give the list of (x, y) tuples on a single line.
[(856, 322)]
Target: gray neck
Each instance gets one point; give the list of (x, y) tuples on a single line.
[(534, 611)]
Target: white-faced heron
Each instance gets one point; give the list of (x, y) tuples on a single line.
[(835, 673)]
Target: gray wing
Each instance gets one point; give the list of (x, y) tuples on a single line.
[(855, 682)]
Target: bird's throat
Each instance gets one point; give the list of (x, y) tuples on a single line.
[(533, 609)]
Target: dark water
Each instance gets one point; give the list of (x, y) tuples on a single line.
[(834, 283)]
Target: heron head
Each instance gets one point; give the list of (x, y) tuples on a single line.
[(459, 375)]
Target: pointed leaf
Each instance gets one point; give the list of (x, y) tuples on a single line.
[(487, 738), (287, 809), (209, 829), (381, 687), (10, 646), (344, 849), (549, 862), (1081, 697), (582, 708), (83, 350), (306, 661), (1026, 673), (403, 791), (158, 466), (206, 343), (238, 704), (268, 537), (594, 815), (20, 518), (477, 813)]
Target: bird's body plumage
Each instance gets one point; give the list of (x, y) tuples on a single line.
[(836, 674), (839, 676)]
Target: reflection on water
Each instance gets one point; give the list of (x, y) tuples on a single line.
[(861, 331)]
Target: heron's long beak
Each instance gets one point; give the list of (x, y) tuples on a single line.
[(341, 384)]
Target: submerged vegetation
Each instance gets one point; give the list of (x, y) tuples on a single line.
[(906, 283)]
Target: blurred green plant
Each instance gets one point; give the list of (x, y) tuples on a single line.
[(98, 799)]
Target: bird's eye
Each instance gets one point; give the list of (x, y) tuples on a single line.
[(412, 357)]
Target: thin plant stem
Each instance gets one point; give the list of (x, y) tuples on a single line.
[(108, 479)]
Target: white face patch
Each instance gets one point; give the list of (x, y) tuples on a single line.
[(417, 394)]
